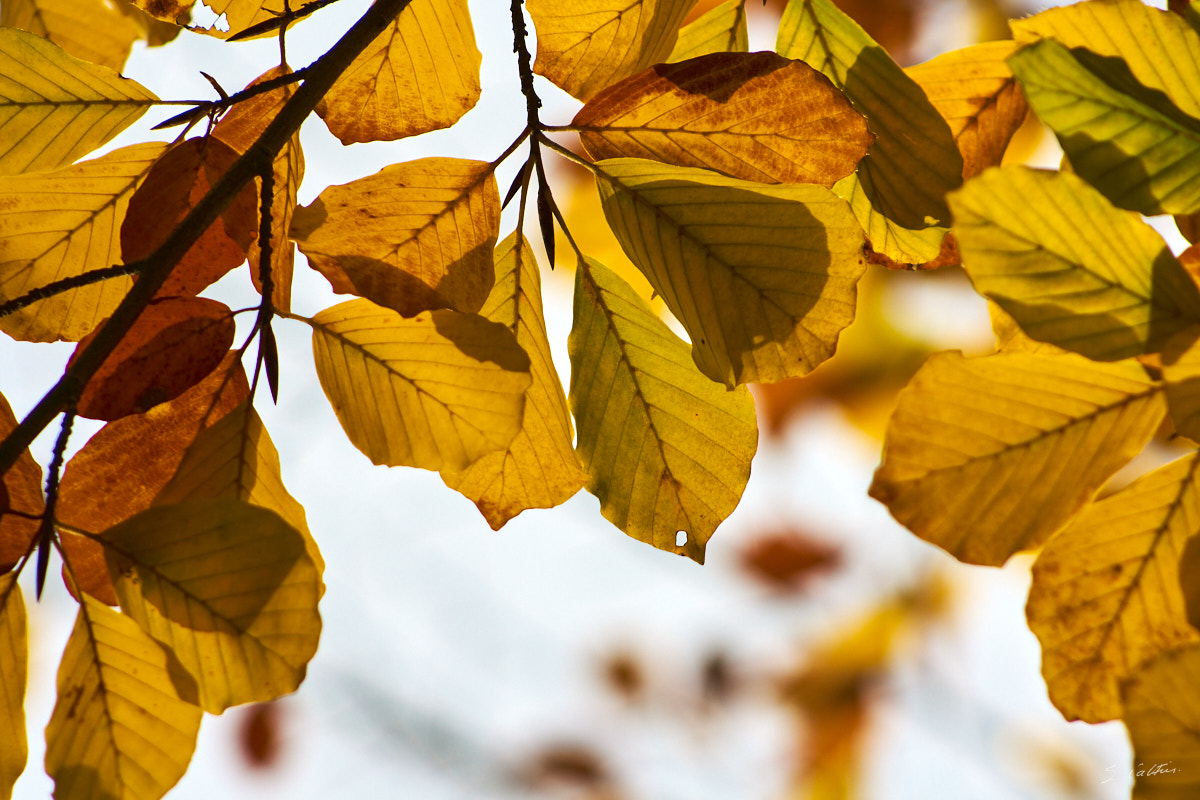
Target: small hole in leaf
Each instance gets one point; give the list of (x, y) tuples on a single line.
[(681, 538)]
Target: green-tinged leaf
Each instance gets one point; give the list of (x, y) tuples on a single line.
[(61, 225), (14, 664), (1130, 142), (89, 30), (539, 469), (119, 730), (228, 587), (413, 237), (436, 391), (1068, 266), (722, 112), (985, 457), (722, 29), (1162, 713), (419, 75), (55, 108), (763, 278), (666, 450), (898, 193), (1105, 594), (585, 45), (20, 491)]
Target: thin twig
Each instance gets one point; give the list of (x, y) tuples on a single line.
[(65, 285)]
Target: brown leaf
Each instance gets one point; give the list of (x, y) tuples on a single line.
[(892, 23), (786, 561), (21, 490), (258, 737), (171, 347)]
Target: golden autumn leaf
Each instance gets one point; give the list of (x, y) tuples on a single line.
[(762, 277), (419, 75), (722, 112), (436, 391), (971, 442), (1181, 381), (89, 30), (55, 108), (975, 91), (14, 665), (722, 29), (539, 469), (666, 450), (21, 491), (1105, 594), (1068, 266), (120, 728), (228, 587), (1162, 713), (585, 45), (233, 16), (413, 237), (62, 225)]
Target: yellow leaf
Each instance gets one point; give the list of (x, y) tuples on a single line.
[(62, 225), (55, 108), (898, 193), (228, 587), (1072, 269), (14, 658), (235, 458), (722, 29), (1162, 712), (89, 30), (539, 469), (436, 391), (975, 91), (1105, 594), (585, 45), (762, 277), (985, 457), (119, 729), (722, 112), (420, 75), (233, 16), (1181, 381), (666, 450), (412, 237)]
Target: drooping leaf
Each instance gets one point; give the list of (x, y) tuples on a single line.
[(585, 45), (228, 587), (91, 31), (898, 193), (763, 278), (1105, 594), (55, 108), (985, 457), (20, 491), (120, 728), (722, 112), (419, 75), (413, 237), (722, 29), (436, 391), (61, 225), (1162, 712), (974, 89), (14, 665), (666, 450), (539, 469), (1068, 266)]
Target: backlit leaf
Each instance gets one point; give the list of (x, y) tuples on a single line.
[(975, 91), (898, 193), (21, 490), (1068, 266), (1162, 713), (233, 16), (585, 45), (1181, 381), (722, 29), (419, 75), (1105, 594), (89, 30), (539, 469), (412, 237), (55, 108), (119, 729), (228, 587), (60, 225), (722, 112), (436, 391), (985, 457), (14, 664), (762, 277), (666, 450)]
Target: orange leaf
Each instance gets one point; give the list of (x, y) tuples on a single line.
[(786, 561), (21, 490)]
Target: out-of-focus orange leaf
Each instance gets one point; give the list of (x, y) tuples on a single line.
[(258, 737), (21, 490), (892, 23), (1189, 226), (174, 185), (786, 561), (171, 347), (722, 112), (567, 766), (624, 675)]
